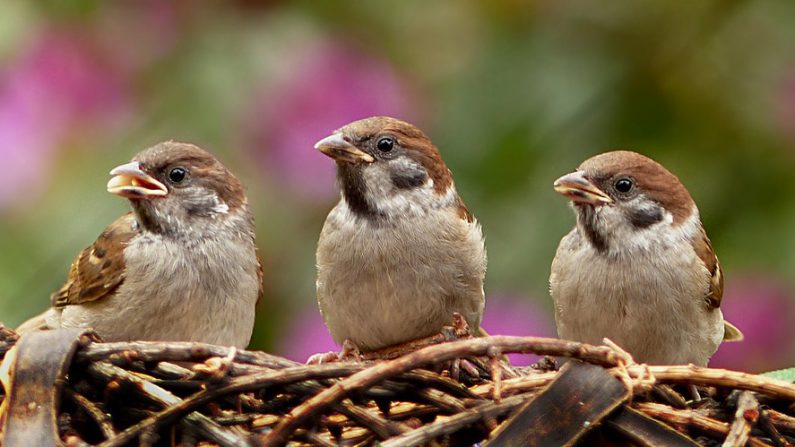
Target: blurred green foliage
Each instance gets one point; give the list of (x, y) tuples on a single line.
[(514, 93)]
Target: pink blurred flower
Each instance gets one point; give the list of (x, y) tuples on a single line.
[(56, 87), (786, 108), (330, 86), (517, 315), (763, 308), (306, 335)]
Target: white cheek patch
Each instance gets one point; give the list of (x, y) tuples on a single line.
[(390, 200), (615, 226), (221, 208)]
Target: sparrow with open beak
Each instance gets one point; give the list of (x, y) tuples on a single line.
[(400, 253), (182, 266), (638, 267)]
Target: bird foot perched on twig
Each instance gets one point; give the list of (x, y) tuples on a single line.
[(458, 330), (350, 353)]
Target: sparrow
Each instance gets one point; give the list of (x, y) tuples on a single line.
[(400, 253), (182, 266), (638, 268)]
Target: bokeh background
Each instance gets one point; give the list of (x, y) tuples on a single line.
[(514, 94)]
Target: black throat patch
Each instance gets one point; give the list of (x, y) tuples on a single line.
[(354, 190), (586, 215), (145, 216)]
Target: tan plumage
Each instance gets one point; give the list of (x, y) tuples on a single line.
[(182, 266), (638, 268), (400, 253)]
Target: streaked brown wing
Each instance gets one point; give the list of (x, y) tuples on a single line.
[(703, 248), (261, 290), (99, 269)]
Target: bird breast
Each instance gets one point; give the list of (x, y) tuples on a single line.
[(650, 300), (191, 289), (386, 281)]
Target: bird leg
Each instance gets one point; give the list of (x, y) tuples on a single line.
[(350, 353)]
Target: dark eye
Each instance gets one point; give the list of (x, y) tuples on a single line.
[(177, 175), (623, 185), (385, 144)]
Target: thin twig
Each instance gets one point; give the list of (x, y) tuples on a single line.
[(452, 424), (235, 385), (148, 351), (744, 419), (100, 417), (696, 375), (197, 421), (691, 419), (768, 427), (435, 354)]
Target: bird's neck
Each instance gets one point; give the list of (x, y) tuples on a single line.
[(615, 234)]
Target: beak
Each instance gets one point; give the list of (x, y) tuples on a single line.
[(133, 183), (577, 188), (336, 147)]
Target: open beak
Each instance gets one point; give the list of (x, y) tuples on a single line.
[(133, 183), (577, 188), (336, 147)]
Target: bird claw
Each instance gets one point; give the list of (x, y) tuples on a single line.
[(216, 368), (350, 353)]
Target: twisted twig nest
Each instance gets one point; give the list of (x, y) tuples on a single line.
[(148, 393)]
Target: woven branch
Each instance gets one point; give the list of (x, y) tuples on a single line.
[(148, 393)]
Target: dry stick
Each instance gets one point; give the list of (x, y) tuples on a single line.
[(197, 421), (767, 425), (744, 419), (383, 428), (235, 385), (316, 439), (380, 427), (149, 351), (208, 428), (600, 355), (670, 396), (442, 383), (100, 417), (781, 421), (517, 385), (690, 418), (696, 375), (452, 424)]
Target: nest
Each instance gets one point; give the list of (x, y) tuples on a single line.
[(67, 388)]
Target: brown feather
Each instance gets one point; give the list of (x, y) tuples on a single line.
[(99, 269), (463, 212), (260, 275), (410, 138), (704, 251), (657, 182)]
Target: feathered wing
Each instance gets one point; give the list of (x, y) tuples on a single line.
[(706, 253), (98, 270)]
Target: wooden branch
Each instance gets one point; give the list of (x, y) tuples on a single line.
[(447, 425), (696, 375), (434, 354), (122, 353), (98, 416), (197, 421), (744, 419), (194, 393), (685, 419), (237, 384)]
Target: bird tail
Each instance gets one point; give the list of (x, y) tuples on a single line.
[(731, 332)]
